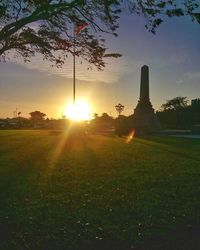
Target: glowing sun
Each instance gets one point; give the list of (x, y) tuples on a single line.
[(78, 111)]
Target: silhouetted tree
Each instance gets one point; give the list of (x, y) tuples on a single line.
[(33, 26), (95, 115), (124, 125), (103, 123), (176, 103), (106, 118), (195, 104), (176, 113), (46, 27), (119, 108), (194, 111), (37, 116)]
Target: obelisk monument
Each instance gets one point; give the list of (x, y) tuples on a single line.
[(144, 116), (144, 84)]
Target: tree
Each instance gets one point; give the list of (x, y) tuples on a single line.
[(195, 111), (95, 115), (37, 116), (195, 104), (45, 26), (177, 103), (174, 113), (119, 108), (103, 123), (155, 11)]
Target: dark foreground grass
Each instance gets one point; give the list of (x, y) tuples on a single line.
[(98, 192)]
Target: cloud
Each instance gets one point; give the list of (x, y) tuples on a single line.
[(179, 82), (192, 75), (110, 74)]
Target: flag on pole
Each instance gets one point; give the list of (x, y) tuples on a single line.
[(80, 27)]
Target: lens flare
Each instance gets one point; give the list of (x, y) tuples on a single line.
[(130, 136)]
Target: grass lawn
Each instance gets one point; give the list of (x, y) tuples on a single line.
[(98, 192)]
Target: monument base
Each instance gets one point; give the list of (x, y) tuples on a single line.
[(144, 118)]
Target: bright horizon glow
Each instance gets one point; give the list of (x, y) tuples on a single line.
[(80, 111)]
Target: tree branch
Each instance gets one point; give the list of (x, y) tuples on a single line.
[(42, 13)]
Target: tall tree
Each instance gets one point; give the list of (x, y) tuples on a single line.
[(45, 26)]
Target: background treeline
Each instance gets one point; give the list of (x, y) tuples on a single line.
[(37, 120), (176, 113)]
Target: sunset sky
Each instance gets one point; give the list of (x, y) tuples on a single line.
[(172, 56)]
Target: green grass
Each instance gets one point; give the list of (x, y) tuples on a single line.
[(95, 192)]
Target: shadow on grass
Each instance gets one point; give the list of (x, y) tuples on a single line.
[(183, 237), (167, 146)]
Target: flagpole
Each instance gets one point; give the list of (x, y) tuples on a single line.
[(77, 30), (74, 69)]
